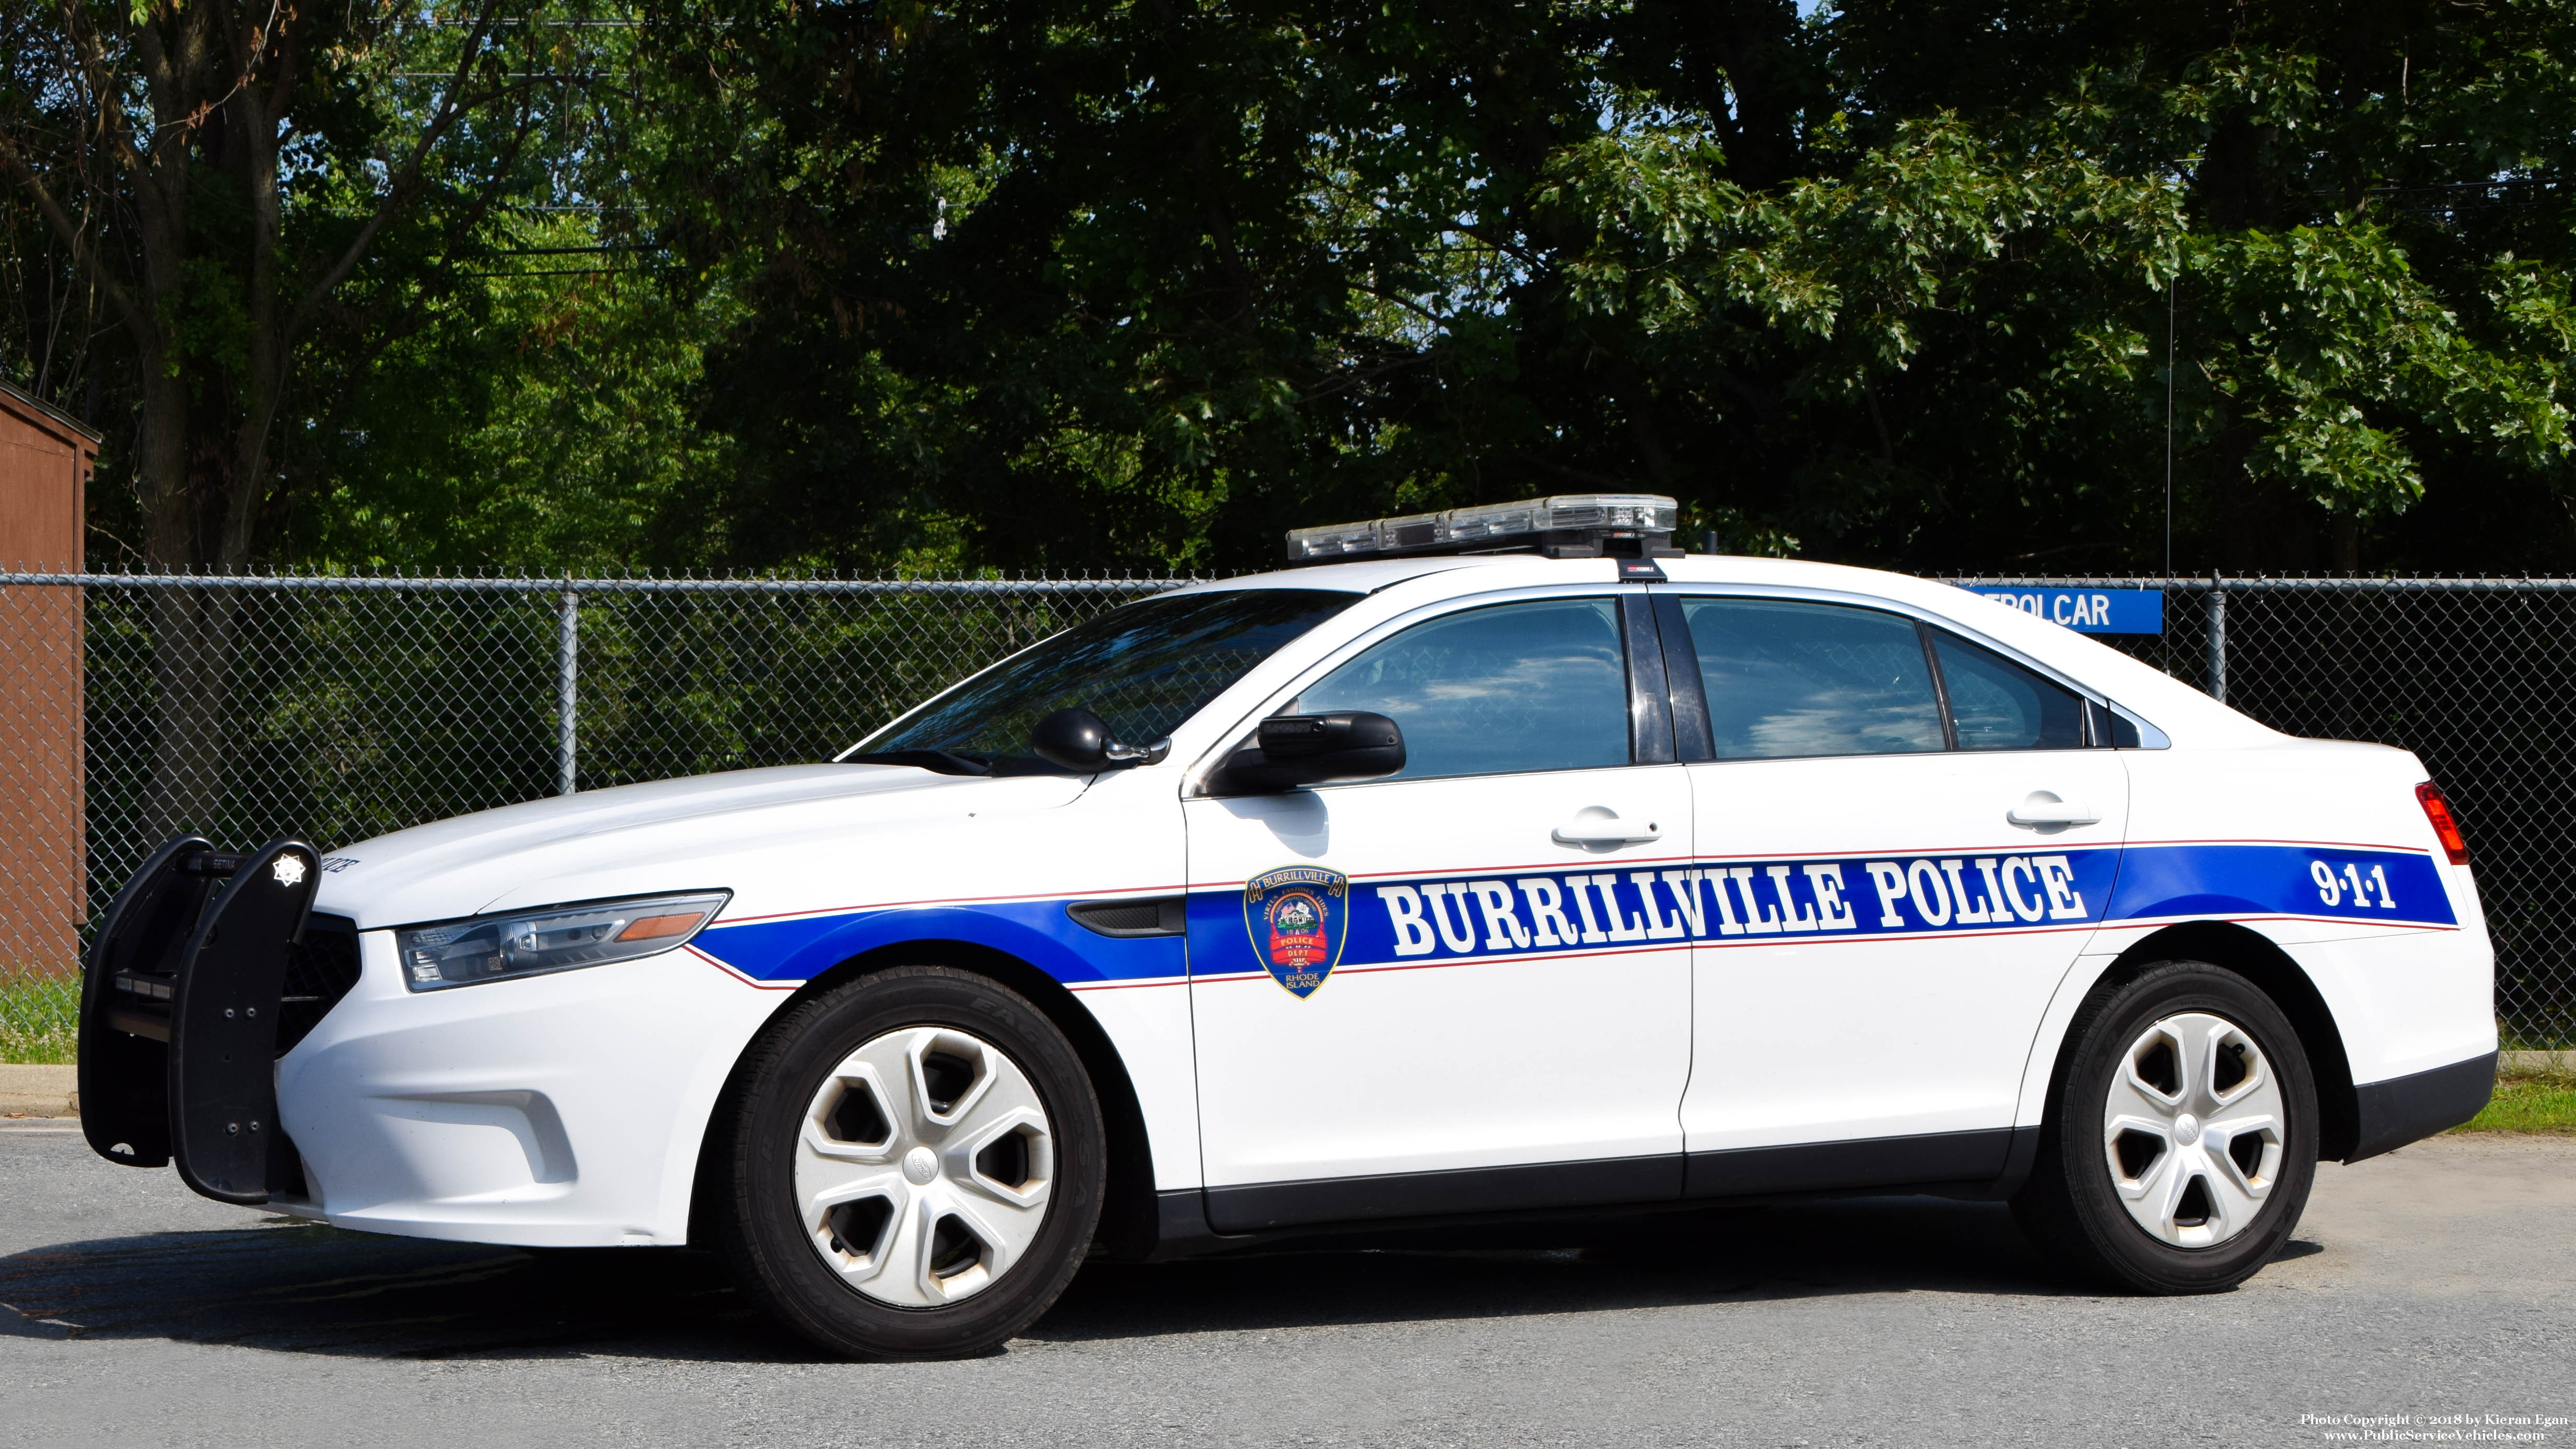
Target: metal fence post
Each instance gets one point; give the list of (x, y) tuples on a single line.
[(2215, 608), (567, 693)]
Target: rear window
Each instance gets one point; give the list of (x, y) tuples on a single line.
[(1787, 679)]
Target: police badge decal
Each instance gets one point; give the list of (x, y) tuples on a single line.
[(1297, 917)]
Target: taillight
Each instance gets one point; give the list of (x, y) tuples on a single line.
[(2438, 810)]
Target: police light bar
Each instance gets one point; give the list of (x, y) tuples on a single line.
[(1567, 525)]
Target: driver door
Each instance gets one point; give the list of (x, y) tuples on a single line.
[(1412, 996)]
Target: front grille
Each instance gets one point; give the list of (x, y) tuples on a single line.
[(320, 969)]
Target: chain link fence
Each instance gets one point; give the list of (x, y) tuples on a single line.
[(132, 707), (2473, 675)]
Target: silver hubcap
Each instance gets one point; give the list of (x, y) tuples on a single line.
[(2192, 1130), (924, 1166)]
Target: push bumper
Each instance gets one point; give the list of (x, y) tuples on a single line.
[(179, 1015)]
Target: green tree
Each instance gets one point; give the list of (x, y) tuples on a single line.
[(1035, 281), (238, 187), (537, 417), (222, 173)]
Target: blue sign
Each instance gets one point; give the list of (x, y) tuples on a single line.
[(2086, 611)]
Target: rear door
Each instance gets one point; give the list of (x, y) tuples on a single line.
[(1907, 838), (1414, 995)]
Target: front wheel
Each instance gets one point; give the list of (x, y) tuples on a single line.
[(914, 1165), (2181, 1141)]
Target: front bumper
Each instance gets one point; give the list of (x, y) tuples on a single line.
[(554, 1111), (562, 1110)]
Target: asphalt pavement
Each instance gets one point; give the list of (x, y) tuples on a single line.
[(2434, 1283)]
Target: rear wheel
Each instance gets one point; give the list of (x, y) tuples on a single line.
[(2181, 1141), (914, 1166)]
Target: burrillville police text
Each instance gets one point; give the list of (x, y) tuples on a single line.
[(1733, 901)]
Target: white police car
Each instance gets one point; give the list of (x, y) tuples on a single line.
[(1389, 891)]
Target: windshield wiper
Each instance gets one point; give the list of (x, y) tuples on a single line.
[(944, 762)]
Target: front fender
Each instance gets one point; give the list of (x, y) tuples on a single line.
[(801, 948)]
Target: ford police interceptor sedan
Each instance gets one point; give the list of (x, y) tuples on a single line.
[(1512, 864)]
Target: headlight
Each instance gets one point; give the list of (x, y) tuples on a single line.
[(550, 938)]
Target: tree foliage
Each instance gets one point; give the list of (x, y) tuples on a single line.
[(257, 201), (1043, 281), (1144, 282)]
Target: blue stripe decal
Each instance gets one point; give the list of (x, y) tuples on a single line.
[(1729, 902), (1038, 932), (2387, 887)]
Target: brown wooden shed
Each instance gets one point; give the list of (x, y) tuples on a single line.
[(45, 459)]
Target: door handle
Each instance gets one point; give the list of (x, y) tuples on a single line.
[(2043, 807), (1599, 825)]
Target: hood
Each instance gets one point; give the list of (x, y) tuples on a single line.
[(734, 830)]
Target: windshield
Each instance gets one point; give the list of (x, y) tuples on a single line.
[(1143, 669)]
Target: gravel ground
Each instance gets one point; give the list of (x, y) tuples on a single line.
[(2435, 1282)]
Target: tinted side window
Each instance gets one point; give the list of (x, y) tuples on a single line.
[(1788, 679), (1536, 686), (1996, 704)]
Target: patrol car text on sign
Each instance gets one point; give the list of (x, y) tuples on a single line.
[(2087, 611), (1499, 861)]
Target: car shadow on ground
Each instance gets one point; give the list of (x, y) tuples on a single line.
[(298, 1288)]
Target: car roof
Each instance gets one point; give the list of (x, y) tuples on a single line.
[(1373, 575)]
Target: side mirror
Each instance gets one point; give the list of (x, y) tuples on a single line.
[(1078, 740), (1313, 749)]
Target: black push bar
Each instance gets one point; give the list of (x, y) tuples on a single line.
[(179, 1005)]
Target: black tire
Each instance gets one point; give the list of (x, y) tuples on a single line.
[(2072, 1206), (749, 1191)]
